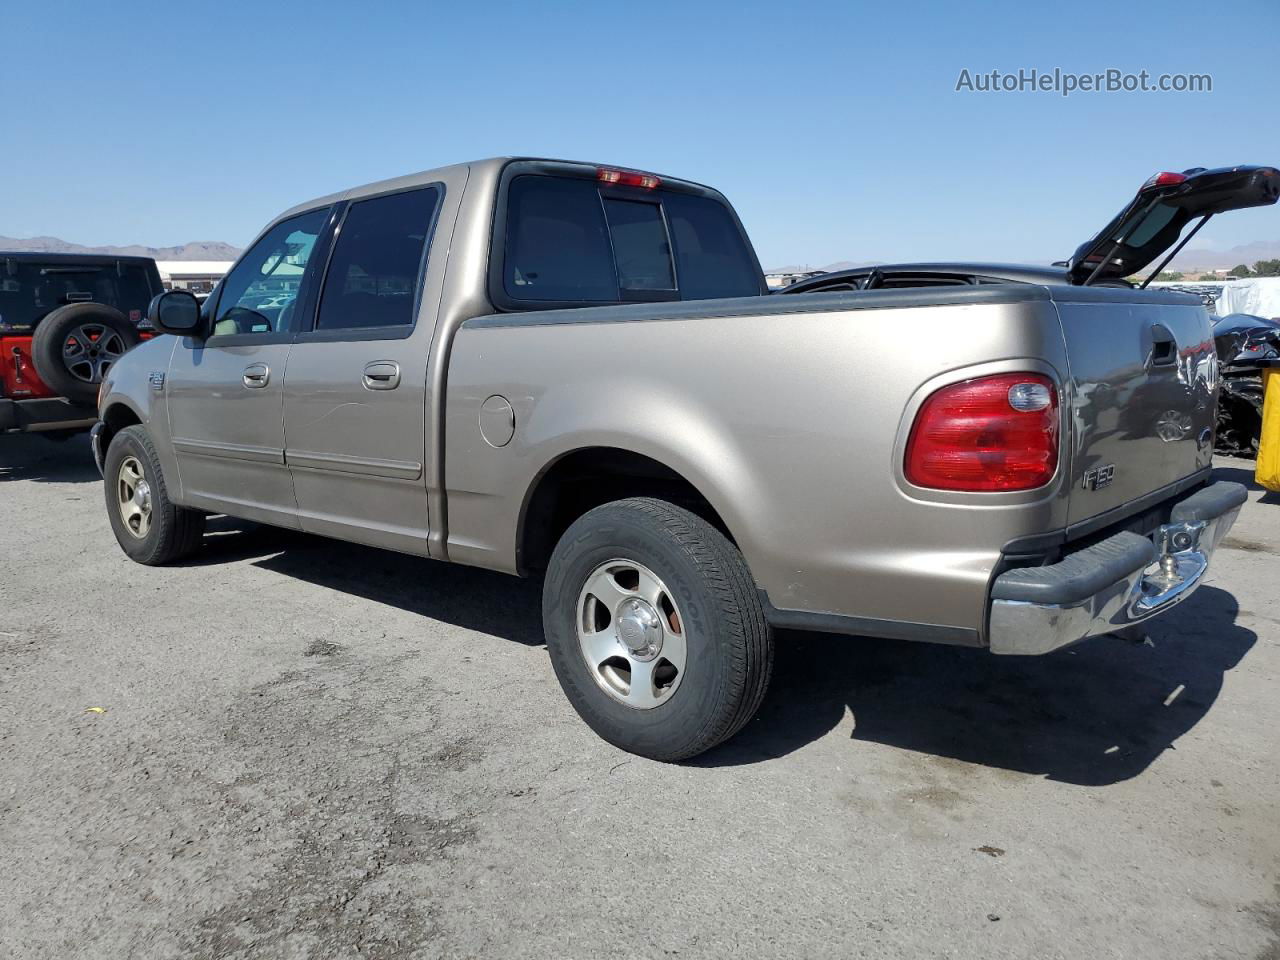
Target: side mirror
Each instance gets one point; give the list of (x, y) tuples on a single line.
[(176, 312)]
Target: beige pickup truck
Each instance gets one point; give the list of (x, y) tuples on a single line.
[(575, 372)]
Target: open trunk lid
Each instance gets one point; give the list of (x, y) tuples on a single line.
[(1143, 379), (1153, 221)]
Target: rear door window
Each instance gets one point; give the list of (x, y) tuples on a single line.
[(375, 270), (573, 241)]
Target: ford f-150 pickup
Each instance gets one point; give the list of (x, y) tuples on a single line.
[(568, 370)]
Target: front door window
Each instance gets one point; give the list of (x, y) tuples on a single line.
[(259, 295)]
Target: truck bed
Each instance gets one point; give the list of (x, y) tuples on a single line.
[(795, 435)]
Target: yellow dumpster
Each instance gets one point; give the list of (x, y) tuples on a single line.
[(1268, 469)]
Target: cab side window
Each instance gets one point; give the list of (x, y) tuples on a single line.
[(376, 267), (259, 294)]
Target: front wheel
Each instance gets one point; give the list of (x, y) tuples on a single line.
[(149, 527), (655, 629)]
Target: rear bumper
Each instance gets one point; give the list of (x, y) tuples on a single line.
[(45, 413), (1116, 583)]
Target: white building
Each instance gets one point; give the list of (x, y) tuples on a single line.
[(198, 276)]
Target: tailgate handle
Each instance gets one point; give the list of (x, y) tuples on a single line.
[(1164, 348)]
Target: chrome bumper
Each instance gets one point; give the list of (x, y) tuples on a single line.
[(1117, 583)]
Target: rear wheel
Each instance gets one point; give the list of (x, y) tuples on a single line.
[(149, 527), (655, 629), (75, 346)]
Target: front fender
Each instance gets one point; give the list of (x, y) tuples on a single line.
[(134, 393)]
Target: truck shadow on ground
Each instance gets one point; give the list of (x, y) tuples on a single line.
[(1236, 474), (1094, 714), (1246, 475), (480, 600)]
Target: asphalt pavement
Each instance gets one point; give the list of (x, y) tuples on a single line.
[(293, 747)]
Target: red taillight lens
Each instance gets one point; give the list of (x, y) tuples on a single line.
[(628, 178), (1164, 180), (992, 433)]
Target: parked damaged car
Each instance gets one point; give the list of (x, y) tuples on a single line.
[(1242, 340), (1150, 226)]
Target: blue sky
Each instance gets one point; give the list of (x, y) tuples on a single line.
[(834, 128)]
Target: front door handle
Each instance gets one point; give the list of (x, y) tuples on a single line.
[(381, 375), (256, 375)]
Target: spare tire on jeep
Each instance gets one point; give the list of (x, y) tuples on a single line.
[(75, 345)]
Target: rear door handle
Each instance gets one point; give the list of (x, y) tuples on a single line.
[(381, 375), (256, 375), (1164, 347)]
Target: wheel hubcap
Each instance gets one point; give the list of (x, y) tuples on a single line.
[(631, 634), (133, 495), (142, 495), (639, 629)]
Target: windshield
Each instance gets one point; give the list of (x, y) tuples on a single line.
[(30, 291)]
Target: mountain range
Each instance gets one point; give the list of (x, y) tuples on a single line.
[(196, 250), (829, 268), (1246, 253)]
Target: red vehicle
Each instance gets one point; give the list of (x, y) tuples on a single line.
[(64, 320)]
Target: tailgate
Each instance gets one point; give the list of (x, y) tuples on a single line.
[(1143, 386)]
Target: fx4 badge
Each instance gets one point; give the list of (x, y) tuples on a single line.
[(1098, 477)]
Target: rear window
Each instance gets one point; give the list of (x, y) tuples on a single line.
[(574, 241), (641, 250), (31, 290), (1145, 231)]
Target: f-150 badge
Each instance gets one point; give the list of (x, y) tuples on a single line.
[(1098, 477)]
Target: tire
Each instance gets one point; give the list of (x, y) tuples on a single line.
[(169, 532), (75, 345), (647, 579)]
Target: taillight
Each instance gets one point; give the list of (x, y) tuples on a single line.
[(628, 178), (988, 434), (1164, 180)]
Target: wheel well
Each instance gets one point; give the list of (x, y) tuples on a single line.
[(585, 479), (114, 419)]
